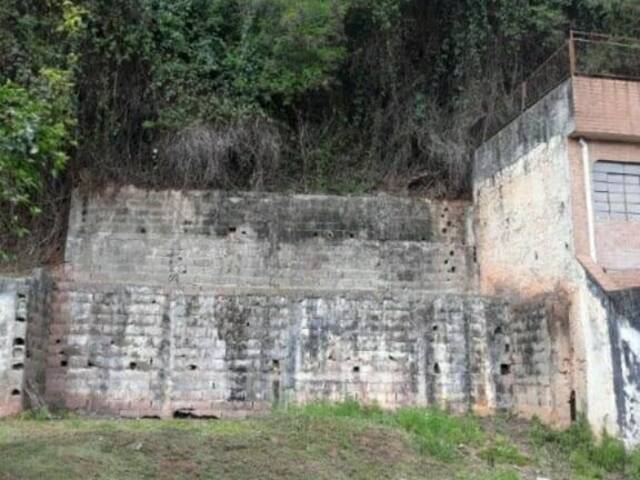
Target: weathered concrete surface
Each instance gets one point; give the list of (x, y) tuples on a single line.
[(215, 304), (532, 237), (225, 304), (197, 239), (13, 330), (138, 351), (623, 321)]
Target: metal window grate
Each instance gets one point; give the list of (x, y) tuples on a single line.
[(616, 190)]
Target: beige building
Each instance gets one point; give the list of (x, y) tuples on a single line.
[(557, 201)]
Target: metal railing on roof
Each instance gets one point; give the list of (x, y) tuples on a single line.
[(582, 54)]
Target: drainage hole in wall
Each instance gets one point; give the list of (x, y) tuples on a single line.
[(436, 369), (18, 366), (498, 331), (133, 365), (244, 232), (435, 328), (22, 296), (15, 392), (444, 231), (18, 341), (446, 262), (142, 230), (452, 253), (232, 229), (392, 358), (193, 367), (63, 363), (21, 319), (449, 223), (90, 364), (275, 364), (505, 369), (58, 341), (356, 369), (453, 270), (573, 411), (351, 235), (248, 324)]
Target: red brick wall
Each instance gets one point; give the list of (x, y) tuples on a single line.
[(606, 108), (617, 242)]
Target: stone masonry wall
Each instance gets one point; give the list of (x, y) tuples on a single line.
[(13, 330), (276, 241), (211, 304), (143, 351)]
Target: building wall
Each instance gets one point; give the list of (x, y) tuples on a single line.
[(607, 109), (526, 247), (619, 313), (617, 242), (522, 199)]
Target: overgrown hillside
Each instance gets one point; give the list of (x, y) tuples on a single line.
[(304, 95)]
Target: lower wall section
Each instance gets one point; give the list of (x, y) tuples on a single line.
[(543, 383), (139, 351), (13, 329), (623, 309)]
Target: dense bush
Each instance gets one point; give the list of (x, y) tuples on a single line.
[(306, 95)]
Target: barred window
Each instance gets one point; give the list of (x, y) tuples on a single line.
[(616, 190)]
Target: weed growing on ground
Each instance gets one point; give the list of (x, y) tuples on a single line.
[(589, 458), (435, 431)]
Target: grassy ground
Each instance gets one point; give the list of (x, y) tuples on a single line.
[(314, 442)]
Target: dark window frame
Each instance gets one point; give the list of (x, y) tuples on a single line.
[(616, 190)]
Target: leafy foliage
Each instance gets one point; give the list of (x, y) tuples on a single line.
[(306, 95), (35, 131)]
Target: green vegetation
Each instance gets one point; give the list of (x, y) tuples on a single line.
[(588, 458), (319, 441), (306, 95)]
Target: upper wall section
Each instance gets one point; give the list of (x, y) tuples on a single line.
[(548, 118), (522, 197), (197, 238), (607, 109)]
